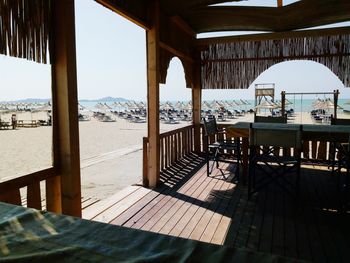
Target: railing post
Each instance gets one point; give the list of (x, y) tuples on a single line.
[(145, 181)]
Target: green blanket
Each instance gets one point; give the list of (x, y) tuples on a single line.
[(29, 235)]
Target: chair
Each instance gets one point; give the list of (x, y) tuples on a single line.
[(220, 150), (265, 144), (341, 150)]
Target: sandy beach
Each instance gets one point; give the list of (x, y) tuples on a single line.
[(111, 152)]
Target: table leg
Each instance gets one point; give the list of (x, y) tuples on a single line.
[(245, 146)]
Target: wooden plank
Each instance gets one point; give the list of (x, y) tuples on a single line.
[(254, 238), (314, 149), (150, 209), (153, 77), (215, 213), (267, 228), (64, 104), (245, 224), (306, 149), (322, 151), (198, 208), (34, 196), (161, 154), (12, 196), (89, 202), (185, 198), (155, 223), (291, 246), (167, 218), (127, 215), (91, 212), (118, 208), (278, 234), (208, 211), (316, 244)]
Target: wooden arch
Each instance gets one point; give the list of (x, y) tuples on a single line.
[(165, 58)]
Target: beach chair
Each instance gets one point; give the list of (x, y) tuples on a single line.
[(269, 165), (220, 148)]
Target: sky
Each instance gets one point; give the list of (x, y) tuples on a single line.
[(111, 61)]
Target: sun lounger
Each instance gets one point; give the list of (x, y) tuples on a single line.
[(4, 125), (28, 123)]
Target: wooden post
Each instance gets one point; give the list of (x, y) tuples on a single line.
[(196, 109), (196, 115), (153, 77), (279, 3), (64, 104), (336, 95), (283, 103)]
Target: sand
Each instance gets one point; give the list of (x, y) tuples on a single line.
[(111, 153)]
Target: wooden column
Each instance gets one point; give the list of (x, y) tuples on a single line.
[(279, 3), (196, 108), (153, 77), (65, 109), (336, 94)]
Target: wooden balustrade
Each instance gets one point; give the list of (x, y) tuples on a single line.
[(174, 145), (10, 190)]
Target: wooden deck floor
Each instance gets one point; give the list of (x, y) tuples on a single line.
[(191, 205)]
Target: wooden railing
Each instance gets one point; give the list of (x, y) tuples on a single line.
[(26, 190), (174, 145)]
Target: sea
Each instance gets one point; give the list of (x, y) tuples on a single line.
[(297, 103)]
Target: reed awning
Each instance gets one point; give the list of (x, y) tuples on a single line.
[(25, 29), (237, 63)]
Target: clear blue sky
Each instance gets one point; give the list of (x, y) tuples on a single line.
[(111, 61)]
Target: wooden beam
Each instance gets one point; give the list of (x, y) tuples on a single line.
[(279, 3), (176, 52), (135, 12), (64, 103), (299, 15), (153, 77), (274, 36)]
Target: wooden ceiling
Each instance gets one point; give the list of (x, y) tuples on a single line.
[(202, 16)]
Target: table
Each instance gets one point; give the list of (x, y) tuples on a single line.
[(335, 133)]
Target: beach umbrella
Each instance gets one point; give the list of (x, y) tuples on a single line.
[(179, 105), (188, 106), (217, 105), (206, 105), (43, 107), (167, 106), (330, 105), (266, 105), (3, 109)]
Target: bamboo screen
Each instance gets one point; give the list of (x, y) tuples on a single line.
[(236, 65), (24, 29)]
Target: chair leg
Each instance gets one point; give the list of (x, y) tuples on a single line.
[(207, 160)]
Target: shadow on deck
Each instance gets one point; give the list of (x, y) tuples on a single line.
[(191, 205)]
